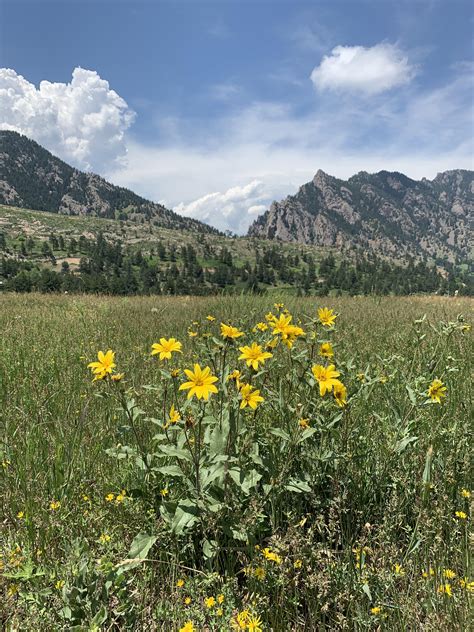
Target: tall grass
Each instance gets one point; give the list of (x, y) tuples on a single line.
[(387, 480)]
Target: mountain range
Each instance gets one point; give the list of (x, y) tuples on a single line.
[(385, 212), (31, 177)]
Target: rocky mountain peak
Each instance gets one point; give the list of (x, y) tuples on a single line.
[(386, 212)]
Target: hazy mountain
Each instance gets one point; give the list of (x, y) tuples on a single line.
[(385, 212), (31, 177)]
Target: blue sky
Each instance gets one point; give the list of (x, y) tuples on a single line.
[(217, 108)]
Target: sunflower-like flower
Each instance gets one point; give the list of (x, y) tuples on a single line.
[(340, 394), (280, 325), (326, 350), (173, 415), (201, 382), (227, 331), (166, 348), (326, 376), (326, 316), (250, 397), (437, 391), (104, 366), (254, 355)]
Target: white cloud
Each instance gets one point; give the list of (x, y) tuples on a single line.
[(228, 210), (83, 121), (359, 69), (417, 133)]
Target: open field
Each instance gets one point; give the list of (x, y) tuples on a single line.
[(300, 514)]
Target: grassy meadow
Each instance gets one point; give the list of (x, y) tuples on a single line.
[(127, 505)]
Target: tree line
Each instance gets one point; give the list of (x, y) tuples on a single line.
[(109, 267)]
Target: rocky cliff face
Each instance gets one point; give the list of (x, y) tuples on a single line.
[(31, 177), (387, 213)]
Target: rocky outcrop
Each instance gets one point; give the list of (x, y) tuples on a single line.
[(387, 213)]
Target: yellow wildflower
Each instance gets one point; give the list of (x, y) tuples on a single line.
[(303, 423), (376, 610), (383, 379), (164, 492), (187, 601), (429, 573), (200, 384), (109, 498), (104, 538), (280, 325), (326, 316), (298, 563), (326, 376), (449, 574), (20, 515), (192, 334), (399, 570), (235, 375), (180, 583), (437, 391), (446, 589), (254, 624), (467, 585), (241, 620), (465, 493), (117, 377), (260, 573), (220, 598), (120, 497), (268, 554), (326, 350), (165, 348), (187, 627), (227, 331), (219, 612), (104, 366), (209, 602), (54, 505), (254, 355), (59, 584), (210, 318), (461, 515), (340, 394), (261, 326), (174, 416), (250, 397)]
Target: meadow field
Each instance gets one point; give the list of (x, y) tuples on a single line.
[(317, 477)]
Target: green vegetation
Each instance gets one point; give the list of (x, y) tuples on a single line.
[(299, 514), (53, 253)]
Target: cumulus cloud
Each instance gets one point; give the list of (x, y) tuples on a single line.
[(366, 70), (83, 121), (231, 210)]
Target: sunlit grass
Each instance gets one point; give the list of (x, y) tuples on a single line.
[(387, 485)]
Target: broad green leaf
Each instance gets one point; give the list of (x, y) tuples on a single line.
[(170, 470), (279, 432), (186, 515), (141, 544), (306, 434), (297, 485), (173, 451)]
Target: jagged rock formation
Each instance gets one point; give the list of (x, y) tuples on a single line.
[(387, 213), (31, 177)]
